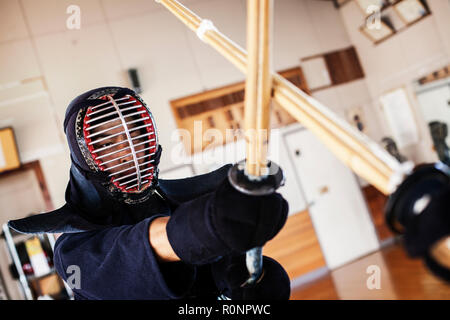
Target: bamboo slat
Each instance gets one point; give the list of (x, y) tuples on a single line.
[(251, 88)]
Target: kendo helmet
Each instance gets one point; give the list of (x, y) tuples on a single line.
[(114, 141)]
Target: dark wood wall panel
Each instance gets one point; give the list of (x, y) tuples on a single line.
[(343, 66)]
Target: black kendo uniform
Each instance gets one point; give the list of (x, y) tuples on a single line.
[(106, 232)]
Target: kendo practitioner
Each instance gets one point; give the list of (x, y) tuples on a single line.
[(135, 236)]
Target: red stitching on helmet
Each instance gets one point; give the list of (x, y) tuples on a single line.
[(89, 140)]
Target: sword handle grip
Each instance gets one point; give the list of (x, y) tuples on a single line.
[(254, 262), (269, 184)]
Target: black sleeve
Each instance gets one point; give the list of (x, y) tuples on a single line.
[(119, 263)]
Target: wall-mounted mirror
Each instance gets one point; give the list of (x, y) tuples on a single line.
[(433, 94)]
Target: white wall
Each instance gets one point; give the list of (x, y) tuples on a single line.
[(400, 60), (116, 35)]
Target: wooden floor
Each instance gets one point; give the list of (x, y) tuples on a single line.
[(297, 239), (400, 278)]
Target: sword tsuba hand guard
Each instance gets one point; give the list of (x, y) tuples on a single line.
[(265, 185)]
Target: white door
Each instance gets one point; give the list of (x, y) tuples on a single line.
[(337, 207)]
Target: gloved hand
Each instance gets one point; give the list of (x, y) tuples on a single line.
[(423, 231), (419, 209), (230, 273), (223, 222)]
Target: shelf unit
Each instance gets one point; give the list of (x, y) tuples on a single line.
[(12, 239), (222, 109), (389, 13)]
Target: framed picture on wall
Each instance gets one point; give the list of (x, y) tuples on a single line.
[(9, 155), (410, 10), (400, 118), (356, 117), (367, 6), (382, 30)]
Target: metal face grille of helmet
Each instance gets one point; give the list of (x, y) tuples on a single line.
[(120, 138)]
